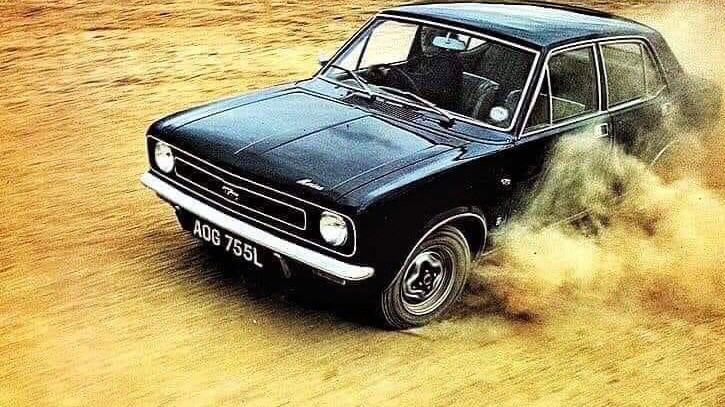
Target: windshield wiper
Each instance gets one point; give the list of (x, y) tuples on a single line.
[(410, 95), (357, 78)]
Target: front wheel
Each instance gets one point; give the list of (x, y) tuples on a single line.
[(431, 280)]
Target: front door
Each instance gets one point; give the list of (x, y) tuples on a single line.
[(568, 106)]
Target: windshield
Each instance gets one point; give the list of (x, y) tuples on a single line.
[(474, 77)]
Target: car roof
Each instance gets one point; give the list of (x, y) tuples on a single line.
[(533, 23)]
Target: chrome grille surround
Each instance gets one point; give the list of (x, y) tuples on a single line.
[(302, 230)]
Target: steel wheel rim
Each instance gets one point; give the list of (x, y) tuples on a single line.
[(428, 280)]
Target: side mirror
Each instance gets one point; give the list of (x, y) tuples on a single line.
[(324, 59)]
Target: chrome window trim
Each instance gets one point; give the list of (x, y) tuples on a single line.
[(339, 269), (602, 111), (549, 94), (349, 219), (567, 122), (598, 104), (469, 32), (463, 118), (344, 46), (304, 213)]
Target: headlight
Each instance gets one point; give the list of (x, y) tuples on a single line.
[(333, 229), (164, 157)]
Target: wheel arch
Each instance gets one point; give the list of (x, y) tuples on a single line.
[(471, 221), (474, 228)]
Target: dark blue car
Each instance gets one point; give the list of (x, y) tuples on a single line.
[(387, 170)]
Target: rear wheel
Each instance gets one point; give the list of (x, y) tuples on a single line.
[(431, 280)]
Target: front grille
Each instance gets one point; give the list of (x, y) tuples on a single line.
[(262, 206), (230, 195)]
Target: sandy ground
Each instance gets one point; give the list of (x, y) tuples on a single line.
[(104, 301)]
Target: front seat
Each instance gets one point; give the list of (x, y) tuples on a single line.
[(439, 78), (478, 97), (512, 100)]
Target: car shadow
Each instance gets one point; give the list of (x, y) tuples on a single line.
[(229, 277)]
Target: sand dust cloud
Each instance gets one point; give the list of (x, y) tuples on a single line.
[(651, 235)]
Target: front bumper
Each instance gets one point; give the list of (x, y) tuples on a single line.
[(336, 269)]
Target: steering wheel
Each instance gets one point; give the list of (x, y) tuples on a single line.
[(403, 79)]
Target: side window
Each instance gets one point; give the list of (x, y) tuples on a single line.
[(573, 83), (631, 72)]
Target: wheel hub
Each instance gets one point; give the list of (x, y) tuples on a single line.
[(424, 277)]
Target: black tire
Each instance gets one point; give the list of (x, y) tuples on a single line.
[(414, 298)]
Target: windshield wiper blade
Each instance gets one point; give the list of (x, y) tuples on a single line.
[(357, 78), (410, 95)]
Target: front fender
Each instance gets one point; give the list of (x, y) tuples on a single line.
[(391, 227)]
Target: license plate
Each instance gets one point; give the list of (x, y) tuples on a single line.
[(229, 243)]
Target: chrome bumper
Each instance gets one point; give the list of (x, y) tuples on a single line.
[(334, 268)]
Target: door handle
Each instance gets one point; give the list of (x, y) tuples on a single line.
[(603, 130)]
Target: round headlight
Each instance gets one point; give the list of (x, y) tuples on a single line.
[(333, 229), (164, 157)]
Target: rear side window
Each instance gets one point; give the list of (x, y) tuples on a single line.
[(574, 84), (654, 78), (632, 73)]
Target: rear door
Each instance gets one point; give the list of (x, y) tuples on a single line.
[(569, 103), (637, 97)]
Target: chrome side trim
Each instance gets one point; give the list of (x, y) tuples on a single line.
[(349, 219), (304, 214), (471, 74), (328, 265), (662, 152)]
